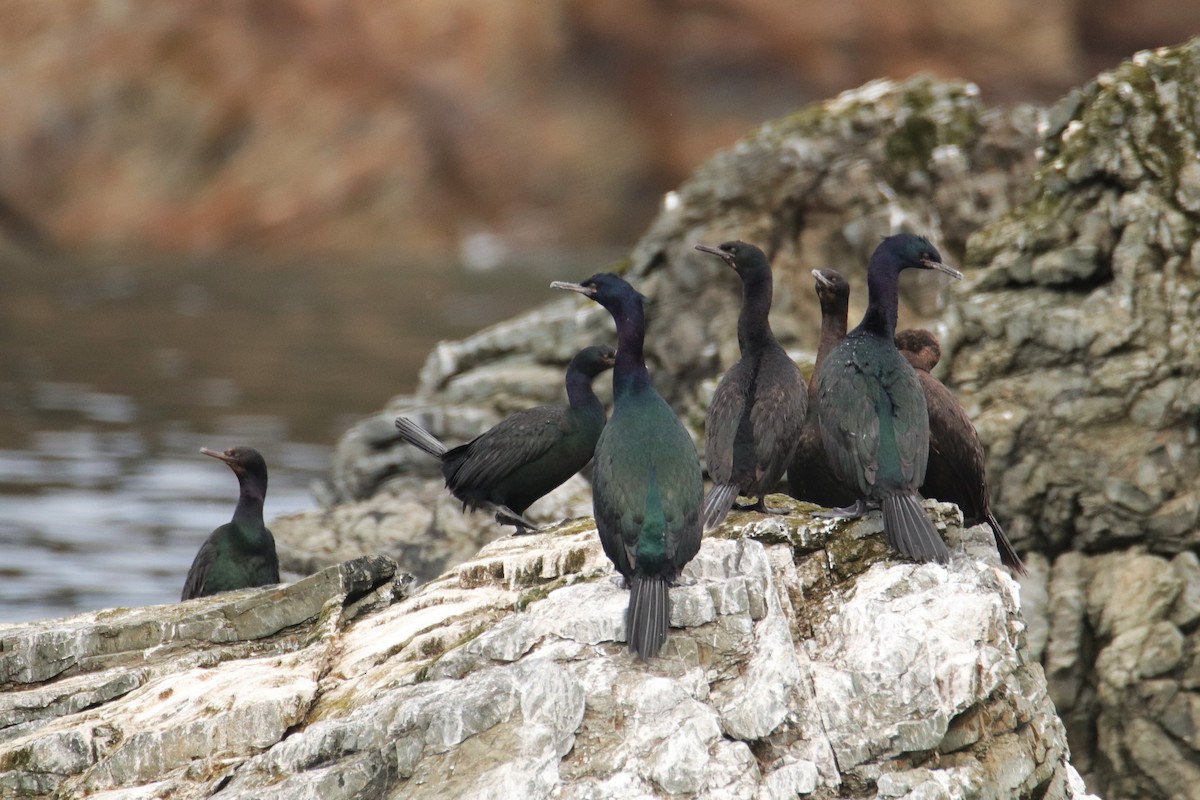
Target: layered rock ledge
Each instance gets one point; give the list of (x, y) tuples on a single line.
[(802, 661)]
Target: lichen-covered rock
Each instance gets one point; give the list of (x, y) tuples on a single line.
[(1076, 334), (802, 661)]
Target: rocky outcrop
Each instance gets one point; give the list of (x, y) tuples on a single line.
[(803, 661), (1072, 344), (1075, 341)]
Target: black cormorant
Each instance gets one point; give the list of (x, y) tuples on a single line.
[(810, 477), (510, 466), (874, 422), (646, 483), (956, 472), (240, 553), (757, 411)]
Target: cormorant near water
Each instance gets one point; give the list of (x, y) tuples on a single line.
[(809, 476), (240, 553), (507, 468), (646, 483), (874, 422), (756, 414), (955, 473)]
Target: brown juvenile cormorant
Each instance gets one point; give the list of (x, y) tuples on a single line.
[(956, 472), (874, 423), (240, 553), (756, 414), (507, 468), (810, 477), (646, 483)]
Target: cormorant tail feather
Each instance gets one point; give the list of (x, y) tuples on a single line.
[(1008, 556), (648, 615), (417, 436), (909, 529), (717, 504)]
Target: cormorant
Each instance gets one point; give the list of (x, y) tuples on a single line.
[(874, 423), (507, 468), (956, 472), (756, 414), (646, 483), (240, 553), (810, 477)]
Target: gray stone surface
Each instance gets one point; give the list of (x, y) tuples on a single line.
[(802, 661)]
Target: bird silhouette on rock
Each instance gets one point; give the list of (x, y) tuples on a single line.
[(956, 470), (241, 553), (757, 412), (507, 468), (646, 482), (874, 422)]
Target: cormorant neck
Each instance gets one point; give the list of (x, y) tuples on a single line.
[(883, 296), (249, 511), (833, 328), (629, 372), (754, 325), (579, 390)]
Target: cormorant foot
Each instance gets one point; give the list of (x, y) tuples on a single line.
[(761, 507), (506, 516), (848, 512)]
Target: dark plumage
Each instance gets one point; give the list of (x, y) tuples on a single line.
[(874, 423), (240, 553), (955, 473), (756, 414), (510, 466), (646, 482), (810, 477)]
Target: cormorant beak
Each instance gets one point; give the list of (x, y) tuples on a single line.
[(233, 463), (822, 281), (929, 263), (719, 253), (610, 359), (586, 291)]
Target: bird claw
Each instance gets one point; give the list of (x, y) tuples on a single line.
[(847, 512), (506, 516)]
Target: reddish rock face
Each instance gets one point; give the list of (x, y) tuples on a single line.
[(366, 126)]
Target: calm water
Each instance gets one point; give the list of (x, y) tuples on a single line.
[(113, 376)]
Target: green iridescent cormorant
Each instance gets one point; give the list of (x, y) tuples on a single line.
[(757, 411), (646, 482), (240, 553), (956, 472), (507, 468), (874, 422), (810, 477)]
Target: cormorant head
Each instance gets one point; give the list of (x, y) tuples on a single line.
[(920, 347), (606, 288), (745, 259), (246, 462), (909, 251), (832, 287), (592, 361)]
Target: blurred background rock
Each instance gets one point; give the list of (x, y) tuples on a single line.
[(463, 131)]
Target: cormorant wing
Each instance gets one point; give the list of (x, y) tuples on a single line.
[(850, 421), (197, 576), (910, 423), (725, 412), (777, 417), (514, 442)]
